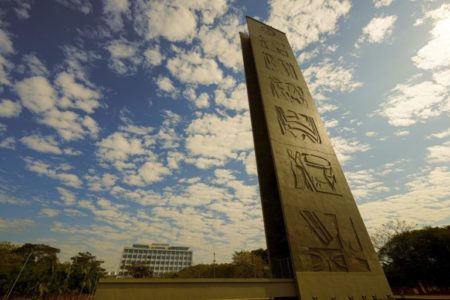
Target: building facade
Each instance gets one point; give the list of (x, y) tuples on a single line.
[(161, 258)]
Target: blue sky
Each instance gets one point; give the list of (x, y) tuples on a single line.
[(127, 121)]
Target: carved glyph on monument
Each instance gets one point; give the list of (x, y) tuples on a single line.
[(305, 197)]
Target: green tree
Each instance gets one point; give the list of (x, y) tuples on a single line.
[(418, 256), (388, 230), (139, 270), (249, 264), (84, 272), (38, 276)]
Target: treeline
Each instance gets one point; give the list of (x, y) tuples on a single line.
[(418, 258), (245, 264), (33, 270)]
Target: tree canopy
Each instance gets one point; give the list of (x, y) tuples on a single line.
[(43, 274), (420, 255)]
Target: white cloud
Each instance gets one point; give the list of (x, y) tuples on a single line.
[(378, 29), (75, 94), (34, 66), (364, 183), (326, 77), (434, 54), (9, 109), (57, 173), (401, 133), (47, 144), (83, 6), (414, 101), (124, 56), (36, 94), (192, 67), (165, 84), (15, 225), (8, 143), (425, 202), (222, 42), (345, 148), (200, 101), (6, 45), (153, 56), (381, 3), (115, 10), (67, 197), (171, 20), (8, 199), (49, 212), (212, 140), (118, 147), (441, 134), (306, 24), (101, 182), (234, 100), (150, 172), (22, 9), (439, 153), (70, 125)]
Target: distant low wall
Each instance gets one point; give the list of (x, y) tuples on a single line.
[(195, 289)]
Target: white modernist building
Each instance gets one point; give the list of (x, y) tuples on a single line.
[(161, 258)]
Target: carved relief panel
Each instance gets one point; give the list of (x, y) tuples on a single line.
[(333, 243), (299, 126), (312, 172)]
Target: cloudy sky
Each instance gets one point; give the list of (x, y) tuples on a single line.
[(127, 121)]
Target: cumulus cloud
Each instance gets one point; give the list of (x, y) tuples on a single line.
[(200, 101), (414, 101), (124, 56), (212, 140), (306, 24), (67, 197), (6, 45), (8, 143), (40, 97), (222, 42), (49, 212), (76, 95), (15, 225), (326, 77), (192, 67), (381, 3), (426, 201), (115, 11), (9, 109), (439, 153), (346, 147), (83, 6), (153, 56), (233, 100), (33, 66), (434, 55), (58, 172), (165, 84), (418, 100), (46, 144), (378, 29), (36, 94)]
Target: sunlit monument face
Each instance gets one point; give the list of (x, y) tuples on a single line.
[(314, 230)]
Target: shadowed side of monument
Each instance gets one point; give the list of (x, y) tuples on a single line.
[(330, 250)]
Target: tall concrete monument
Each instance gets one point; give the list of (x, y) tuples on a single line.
[(313, 227)]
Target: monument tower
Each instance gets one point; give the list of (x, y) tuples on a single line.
[(314, 230)]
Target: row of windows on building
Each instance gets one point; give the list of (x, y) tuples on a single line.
[(153, 256), (157, 262), (146, 251)]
